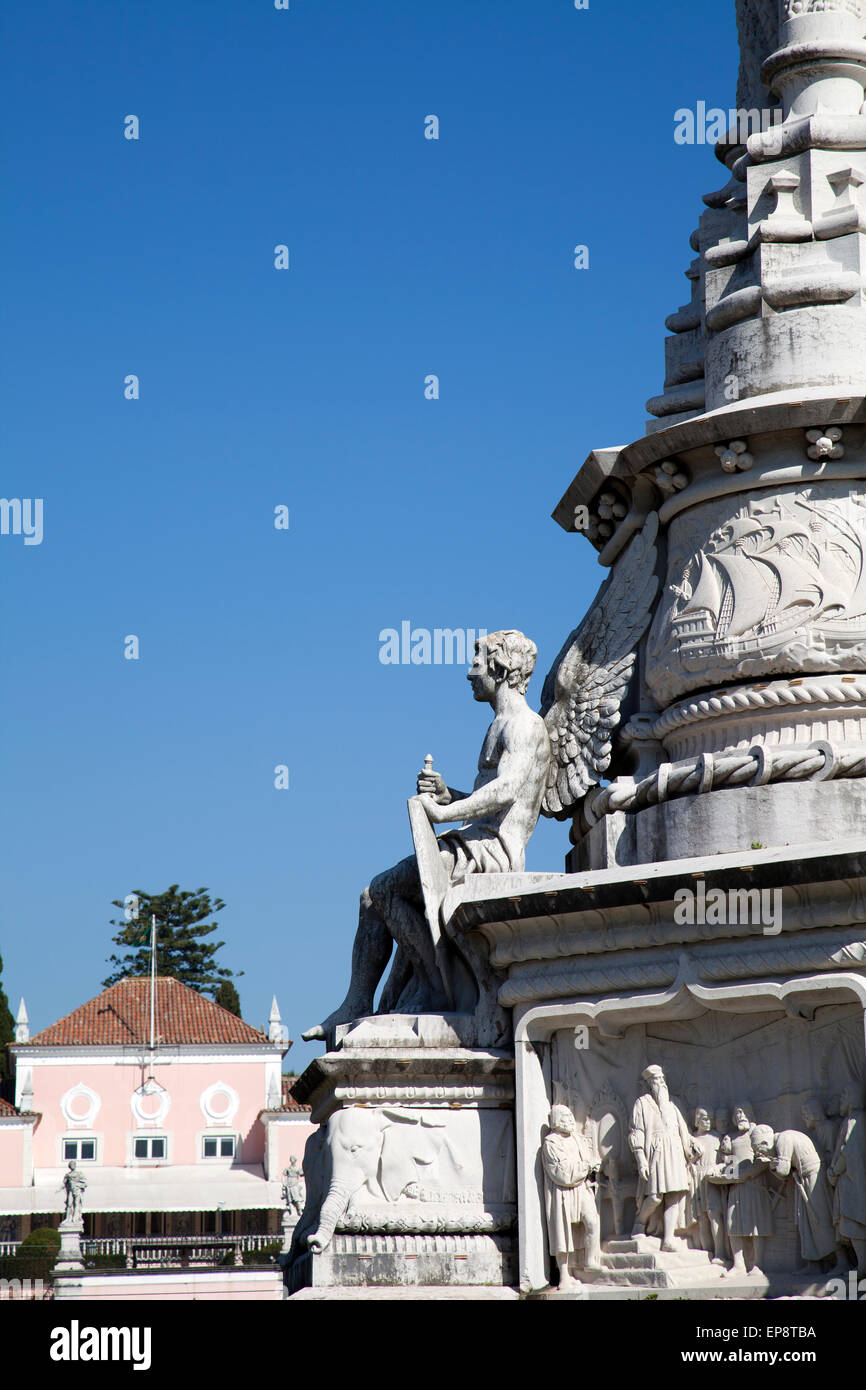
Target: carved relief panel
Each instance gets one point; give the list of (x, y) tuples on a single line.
[(768, 585), (727, 1074)]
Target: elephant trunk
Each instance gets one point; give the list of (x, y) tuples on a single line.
[(333, 1208)]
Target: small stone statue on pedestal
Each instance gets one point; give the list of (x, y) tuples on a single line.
[(72, 1226), (569, 1170), (294, 1196), (75, 1185)]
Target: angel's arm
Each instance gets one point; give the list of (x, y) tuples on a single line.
[(516, 765)]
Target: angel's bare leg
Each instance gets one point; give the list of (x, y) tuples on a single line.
[(390, 910), (398, 981), (397, 897)]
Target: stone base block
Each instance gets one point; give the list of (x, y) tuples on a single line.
[(636, 1267), (727, 820), (466, 1293), (69, 1259), (411, 1176), (408, 1260), (734, 819)]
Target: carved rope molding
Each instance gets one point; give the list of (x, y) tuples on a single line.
[(842, 690), (817, 761)]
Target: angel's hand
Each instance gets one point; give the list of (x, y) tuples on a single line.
[(432, 784), (435, 812)]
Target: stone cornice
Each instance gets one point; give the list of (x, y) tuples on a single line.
[(783, 410), (427, 1078), (789, 954), (62, 1055), (594, 914)]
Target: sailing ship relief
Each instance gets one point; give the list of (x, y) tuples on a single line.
[(779, 586)]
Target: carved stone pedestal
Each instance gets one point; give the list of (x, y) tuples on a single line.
[(69, 1259), (397, 1261), (411, 1175), (288, 1222), (741, 977)]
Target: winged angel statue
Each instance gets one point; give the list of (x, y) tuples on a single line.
[(586, 686)]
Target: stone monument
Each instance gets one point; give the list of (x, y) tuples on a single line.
[(294, 1193), (702, 734), (71, 1228)]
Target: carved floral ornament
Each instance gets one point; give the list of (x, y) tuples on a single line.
[(670, 477), (825, 443), (795, 8), (734, 457), (609, 511)]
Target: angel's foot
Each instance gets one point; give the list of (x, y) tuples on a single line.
[(348, 1012)]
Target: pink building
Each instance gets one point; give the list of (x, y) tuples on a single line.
[(187, 1136)]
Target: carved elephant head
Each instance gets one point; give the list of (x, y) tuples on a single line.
[(382, 1151)]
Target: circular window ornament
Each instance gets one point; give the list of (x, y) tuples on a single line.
[(219, 1103), (80, 1106), (150, 1103)]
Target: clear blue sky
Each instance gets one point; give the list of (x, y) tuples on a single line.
[(304, 387)]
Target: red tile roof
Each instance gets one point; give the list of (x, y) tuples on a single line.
[(120, 1017), (6, 1108), (289, 1102)]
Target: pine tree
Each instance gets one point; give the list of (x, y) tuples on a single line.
[(181, 951), (227, 996), (7, 1032)]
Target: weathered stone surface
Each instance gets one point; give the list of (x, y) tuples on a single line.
[(685, 1008)]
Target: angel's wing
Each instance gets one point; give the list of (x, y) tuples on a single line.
[(585, 687)]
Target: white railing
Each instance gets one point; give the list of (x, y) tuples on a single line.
[(139, 1251), (152, 1249), (118, 1245)]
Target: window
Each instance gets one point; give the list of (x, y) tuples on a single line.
[(149, 1147), (79, 1149), (218, 1146)]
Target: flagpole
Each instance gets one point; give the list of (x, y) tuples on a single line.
[(152, 983)]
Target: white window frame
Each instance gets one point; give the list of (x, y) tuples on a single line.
[(219, 1157), (143, 1136), (78, 1139)]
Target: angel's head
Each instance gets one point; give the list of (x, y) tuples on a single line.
[(502, 656)]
